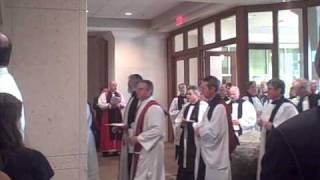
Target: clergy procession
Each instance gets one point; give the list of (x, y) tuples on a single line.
[(207, 121)]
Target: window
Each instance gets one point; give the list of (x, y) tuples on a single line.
[(193, 38), (209, 35), (260, 27), (290, 45), (260, 65), (313, 39), (178, 42), (193, 71), (228, 28), (180, 72)]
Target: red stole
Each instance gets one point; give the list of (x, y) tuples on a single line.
[(139, 129)]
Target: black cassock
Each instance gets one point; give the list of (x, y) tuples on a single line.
[(187, 147), (293, 149)]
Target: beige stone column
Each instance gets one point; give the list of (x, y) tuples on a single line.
[(49, 63)]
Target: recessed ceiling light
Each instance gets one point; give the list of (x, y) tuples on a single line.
[(128, 13)]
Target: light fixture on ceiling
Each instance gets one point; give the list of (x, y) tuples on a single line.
[(128, 13)]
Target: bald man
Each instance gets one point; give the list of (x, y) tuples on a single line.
[(307, 100), (110, 102), (293, 147), (7, 82)]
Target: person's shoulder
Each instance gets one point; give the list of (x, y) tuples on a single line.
[(245, 98), (203, 103), (304, 119)]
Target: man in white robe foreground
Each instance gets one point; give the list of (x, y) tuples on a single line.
[(212, 157), (7, 82), (147, 136), (278, 111)]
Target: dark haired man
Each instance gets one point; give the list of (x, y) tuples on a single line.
[(212, 157), (7, 82), (293, 147), (278, 111), (128, 119)]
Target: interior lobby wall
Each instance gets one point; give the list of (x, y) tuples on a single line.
[(49, 63)]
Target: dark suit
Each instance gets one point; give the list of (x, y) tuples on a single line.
[(293, 149)]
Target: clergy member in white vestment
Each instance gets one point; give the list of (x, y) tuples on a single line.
[(92, 160), (252, 97), (212, 157), (174, 109), (243, 113), (278, 111), (7, 82), (148, 136), (128, 119), (307, 99), (187, 120)]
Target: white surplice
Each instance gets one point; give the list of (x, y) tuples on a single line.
[(248, 118), (214, 145), (151, 160), (285, 112), (9, 85), (202, 109), (92, 159), (174, 111)]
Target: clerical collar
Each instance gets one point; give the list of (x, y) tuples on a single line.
[(197, 102), (278, 100), (217, 97)]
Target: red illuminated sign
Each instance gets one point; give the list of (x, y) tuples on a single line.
[(180, 20)]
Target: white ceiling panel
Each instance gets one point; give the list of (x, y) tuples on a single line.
[(141, 9)]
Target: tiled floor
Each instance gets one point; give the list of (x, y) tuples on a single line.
[(109, 165)]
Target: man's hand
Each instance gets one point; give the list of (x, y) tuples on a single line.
[(133, 140), (235, 122), (267, 125), (197, 132), (184, 123), (124, 128)]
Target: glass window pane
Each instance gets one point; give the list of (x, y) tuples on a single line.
[(208, 32), (260, 27), (220, 66), (228, 28), (180, 72), (228, 48), (314, 37), (178, 42), (290, 45), (193, 71), (260, 65), (193, 38)]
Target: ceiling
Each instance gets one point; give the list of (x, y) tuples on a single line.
[(156, 14)]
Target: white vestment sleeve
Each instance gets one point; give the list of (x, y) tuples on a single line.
[(154, 128), (102, 101), (214, 131), (248, 119), (173, 109), (285, 112)]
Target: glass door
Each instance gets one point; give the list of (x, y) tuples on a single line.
[(221, 65)]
